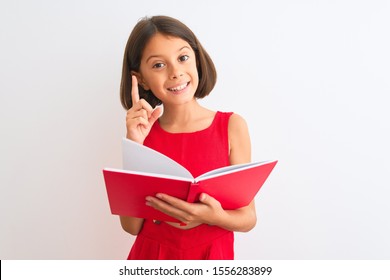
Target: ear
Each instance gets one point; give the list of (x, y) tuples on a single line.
[(140, 80)]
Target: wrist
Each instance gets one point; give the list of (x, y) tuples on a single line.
[(128, 136), (221, 219)]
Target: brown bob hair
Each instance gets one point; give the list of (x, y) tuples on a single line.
[(140, 36)]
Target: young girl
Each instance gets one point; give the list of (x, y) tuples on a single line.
[(164, 63)]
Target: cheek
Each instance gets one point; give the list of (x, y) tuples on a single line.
[(196, 76), (152, 81), (195, 71), (156, 85)]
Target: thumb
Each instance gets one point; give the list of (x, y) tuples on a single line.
[(155, 115), (205, 198), (209, 200)]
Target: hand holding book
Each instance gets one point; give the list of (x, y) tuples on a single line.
[(207, 211)]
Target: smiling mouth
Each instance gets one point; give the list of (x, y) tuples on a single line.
[(179, 88)]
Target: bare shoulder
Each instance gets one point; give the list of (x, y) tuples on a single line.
[(239, 140), (237, 122)]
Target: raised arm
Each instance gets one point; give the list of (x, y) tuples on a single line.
[(139, 120)]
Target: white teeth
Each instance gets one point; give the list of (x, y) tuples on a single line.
[(183, 86)]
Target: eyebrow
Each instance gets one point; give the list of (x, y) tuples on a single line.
[(157, 55)]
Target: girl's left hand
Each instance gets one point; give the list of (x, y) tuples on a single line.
[(207, 211)]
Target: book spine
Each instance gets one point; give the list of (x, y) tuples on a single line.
[(194, 193)]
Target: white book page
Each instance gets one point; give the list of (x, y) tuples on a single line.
[(229, 169), (137, 157)]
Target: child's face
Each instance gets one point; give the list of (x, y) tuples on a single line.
[(168, 69)]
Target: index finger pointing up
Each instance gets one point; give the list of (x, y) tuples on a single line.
[(134, 90)]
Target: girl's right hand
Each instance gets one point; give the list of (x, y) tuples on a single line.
[(141, 116)]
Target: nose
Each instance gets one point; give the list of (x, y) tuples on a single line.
[(175, 72)]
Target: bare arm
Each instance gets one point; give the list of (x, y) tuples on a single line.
[(131, 225), (139, 120), (243, 219)]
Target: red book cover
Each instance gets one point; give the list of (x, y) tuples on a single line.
[(233, 186)]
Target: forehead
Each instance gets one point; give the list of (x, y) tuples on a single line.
[(162, 45)]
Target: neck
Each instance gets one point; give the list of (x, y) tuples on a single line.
[(185, 118), (180, 115)]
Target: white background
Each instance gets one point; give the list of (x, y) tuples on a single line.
[(310, 77)]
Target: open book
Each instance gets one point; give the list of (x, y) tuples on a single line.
[(147, 172)]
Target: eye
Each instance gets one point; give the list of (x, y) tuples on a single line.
[(158, 65), (183, 58)]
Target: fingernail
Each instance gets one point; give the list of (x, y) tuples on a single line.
[(159, 195)]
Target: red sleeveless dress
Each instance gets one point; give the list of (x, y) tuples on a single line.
[(199, 152)]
